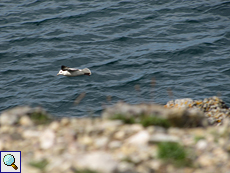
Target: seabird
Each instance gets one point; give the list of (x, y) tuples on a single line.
[(66, 71)]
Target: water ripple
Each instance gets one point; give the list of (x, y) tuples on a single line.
[(182, 45)]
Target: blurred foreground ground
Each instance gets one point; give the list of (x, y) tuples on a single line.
[(184, 136)]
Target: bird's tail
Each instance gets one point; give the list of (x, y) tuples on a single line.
[(86, 71)]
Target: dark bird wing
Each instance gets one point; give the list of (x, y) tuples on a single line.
[(65, 68)]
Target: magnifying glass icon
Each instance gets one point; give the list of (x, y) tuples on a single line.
[(9, 160)]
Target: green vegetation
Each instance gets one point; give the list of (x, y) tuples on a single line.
[(85, 171), (173, 153), (197, 138), (153, 120), (127, 159), (39, 164), (125, 119), (43, 163), (145, 120), (40, 118)]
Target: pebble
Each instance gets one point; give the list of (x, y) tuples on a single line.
[(64, 121), (31, 134), (26, 121), (115, 144), (125, 167), (119, 135), (206, 160), (139, 139), (47, 139), (86, 140), (201, 144), (100, 161), (101, 142), (54, 126)]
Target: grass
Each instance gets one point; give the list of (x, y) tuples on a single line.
[(43, 163), (145, 120), (125, 119), (40, 118), (85, 171), (39, 164), (173, 153), (154, 120)]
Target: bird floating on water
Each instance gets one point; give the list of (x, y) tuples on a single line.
[(66, 71)]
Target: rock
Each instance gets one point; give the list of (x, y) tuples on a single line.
[(30, 169), (136, 127), (222, 157), (214, 108), (175, 131), (115, 144), (125, 167), (143, 169), (206, 160), (201, 144), (31, 134), (1, 145), (54, 125), (155, 165), (139, 139), (64, 121), (107, 124), (11, 116), (156, 138), (99, 161), (226, 146), (180, 103), (26, 121), (86, 140), (101, 142), (54, 164), (47, 139), (7, 129), (183, 117), (119, 135)]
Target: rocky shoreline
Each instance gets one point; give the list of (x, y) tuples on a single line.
[(185, 135)]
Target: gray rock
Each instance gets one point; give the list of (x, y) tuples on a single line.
[(26, 121), (115, 144), (202, 144), (11, 116), (156, 138), (99, 161), (31, 134), (119, 135), (139, 139), (125, 167), (101, 142), (47, 139)]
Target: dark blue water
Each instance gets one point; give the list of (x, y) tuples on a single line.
[(138, 51)]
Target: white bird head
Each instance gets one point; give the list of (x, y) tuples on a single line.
[(60, 73)]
